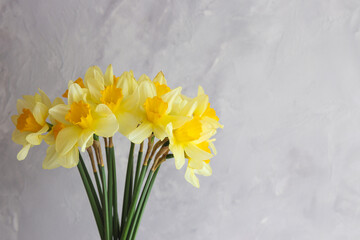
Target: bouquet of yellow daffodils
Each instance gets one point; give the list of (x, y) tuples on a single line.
[(163, 122)]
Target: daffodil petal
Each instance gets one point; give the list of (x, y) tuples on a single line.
[(52, 159), (105, 126), (86, 135), (191, 177), (197, 153), (179, 155), (71, 158), (195, 163), (36, 138), (142, 132), (94, 81), (109, 76), (76, 93), (170, 97), (67, 138), (23, 152), (160, 78), (45, 99), (59, 112), (127, 123), (205, 170), (159, 132), (19, 137), (40, 113)]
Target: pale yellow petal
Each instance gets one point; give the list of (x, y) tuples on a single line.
[(105, 126), (170, 97), (127, 83), (179, 155), (195, 163), (176, 121), (67, 138), (94, 81), (160, 78), (45, 99), (109, 76), (76, 93), (36, 138), (52, 159), (159, 132), (19, 137), (203, 102), (146, 90), (86, 136), (40, 113), (191, 177), (189, 108), (23, 152), (59, 112), (205, 170), (197, 153), (144, 78), (141, 133), (71, 158), (127, 123), (14, 119)]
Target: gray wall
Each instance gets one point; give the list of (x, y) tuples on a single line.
[(283, 75)]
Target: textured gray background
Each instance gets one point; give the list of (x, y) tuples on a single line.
[(283, 75)]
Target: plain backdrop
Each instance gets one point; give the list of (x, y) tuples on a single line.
[(284, 77)]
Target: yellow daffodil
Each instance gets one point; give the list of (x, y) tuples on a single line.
[(30, 122), (81, 120), (53, 159), (116, 93), (199, 167), (155, 109)]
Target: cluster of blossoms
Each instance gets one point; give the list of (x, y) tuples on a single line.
[(104, 104)]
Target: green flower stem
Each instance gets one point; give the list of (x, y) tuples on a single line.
[(115, 207), (106, 207), (92, 197), (138, 164), (141, 206), (110, 192), (128, 186), (98, 184), (126, 225)]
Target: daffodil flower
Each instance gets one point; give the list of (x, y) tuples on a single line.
[(81, 120), (198, 167), (155, 111), (53, 159), (30, 122), (116, 93)]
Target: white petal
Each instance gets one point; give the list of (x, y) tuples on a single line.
[(141, 133), (23, 152)]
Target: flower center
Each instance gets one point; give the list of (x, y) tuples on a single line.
[(161, 89), (188, 132), (27, 123), (57, 128), (112, 96), (79, 114), (155, 108), (78, 81)]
